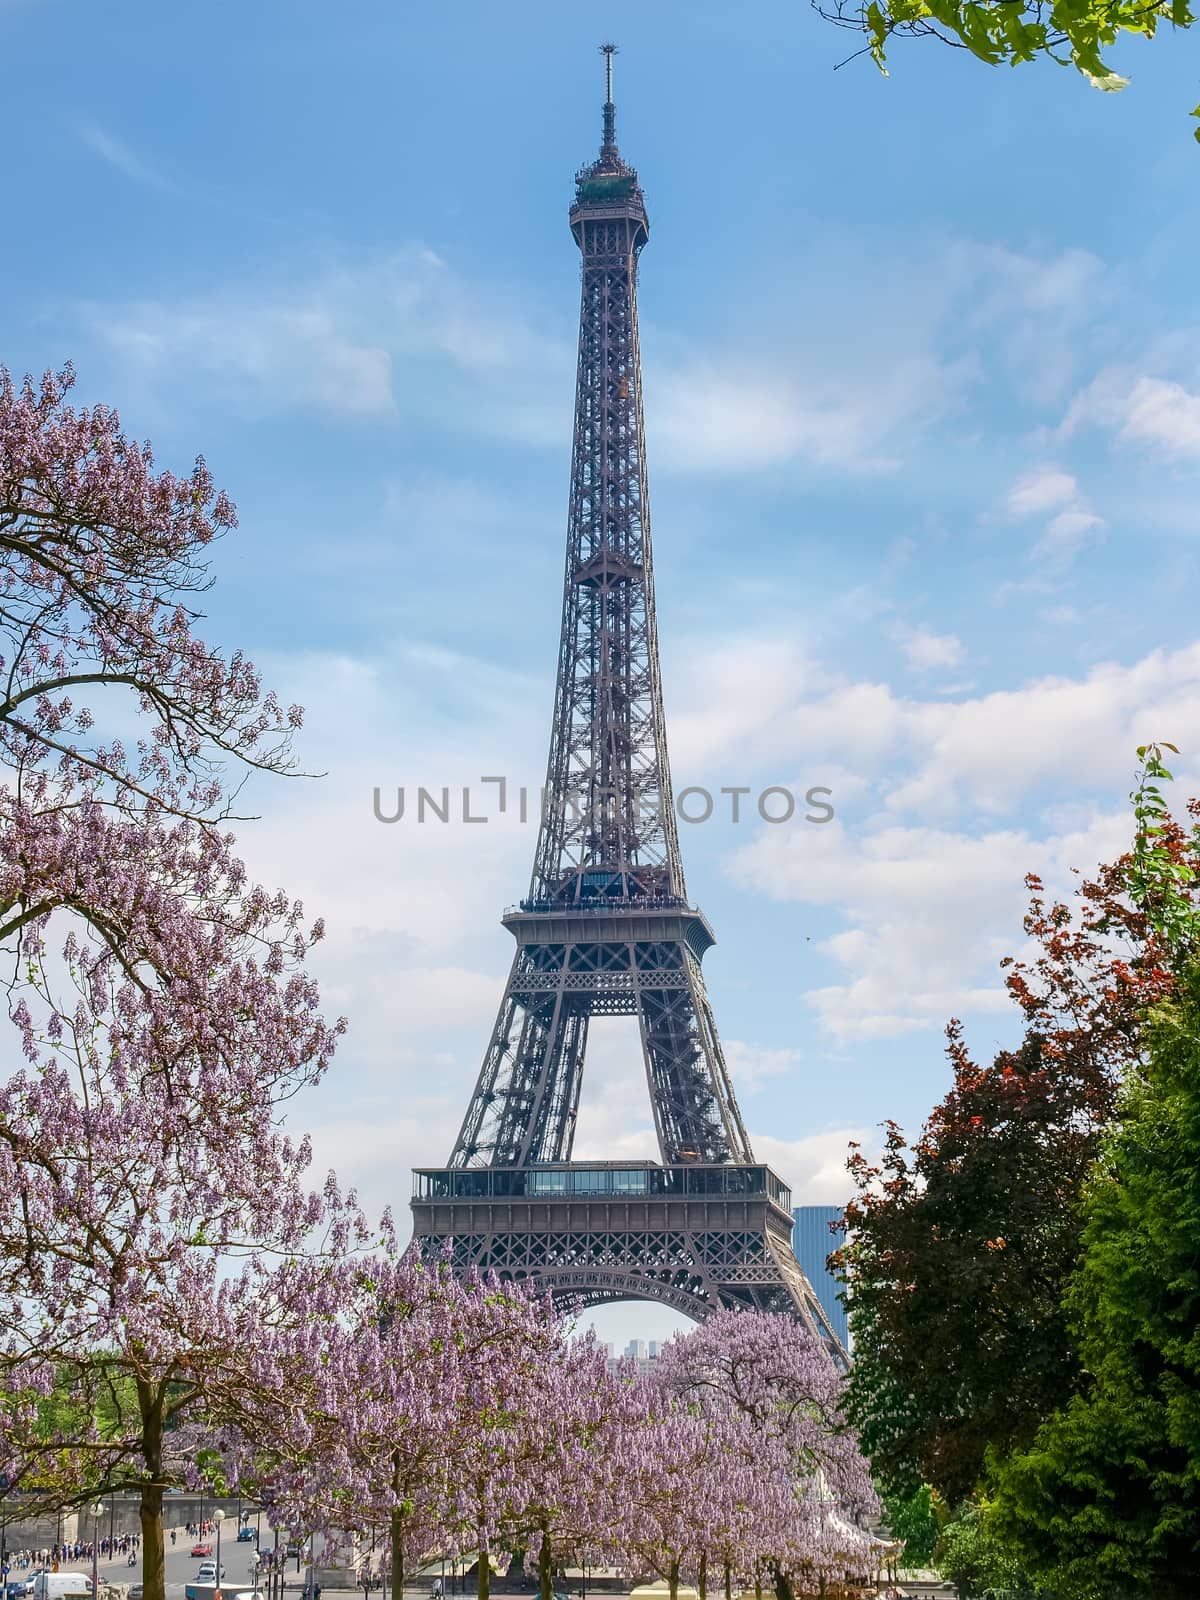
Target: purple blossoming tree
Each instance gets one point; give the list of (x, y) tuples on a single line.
[(779, 1399), (159, 1000)]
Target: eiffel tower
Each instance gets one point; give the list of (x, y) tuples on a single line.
[(607, 929)]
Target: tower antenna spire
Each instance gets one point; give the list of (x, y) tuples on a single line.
[(608, 51)]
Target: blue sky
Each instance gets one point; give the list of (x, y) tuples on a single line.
[(923, 407)]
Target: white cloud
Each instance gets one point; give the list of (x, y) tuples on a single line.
[(1156, 413), (374, 1150), (424, 716), (273, 356), (926, 651), (1011, 746), (948, 804), (744, 704), (1164, 415), (414, 955), (407, 334), (750, 1064), (883, 383), (1030, 314), (398, 334), (121, 156), (1064, 538), (738, 415), (615, 1120), (814, 1167), (713, 421), (762, 707), (1070, 283), (1041, 489), (1049, 488), (929, 912)]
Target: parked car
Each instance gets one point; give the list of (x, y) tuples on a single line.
[(206, 1572), (135, 1592), (62, 1586), (201, 1549), (245, 1535), (19, 1588)]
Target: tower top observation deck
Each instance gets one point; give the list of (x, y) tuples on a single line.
[(608, 186)]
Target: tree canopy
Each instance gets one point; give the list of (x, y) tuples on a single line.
[(1106, 1498), (959, 1245), (160, 1013), (1074, 33)]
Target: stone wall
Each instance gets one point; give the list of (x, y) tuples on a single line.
[(29, 1528)]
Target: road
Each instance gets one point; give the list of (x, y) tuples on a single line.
[(181, 1566)]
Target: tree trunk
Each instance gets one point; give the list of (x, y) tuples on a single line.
[(546, 1568), (150, 1511), (673, 1580), (757, 1581), (728, 1582), (154, 1577), (484, 1570), (702, 1586), (783, 1585), (397, 1530)]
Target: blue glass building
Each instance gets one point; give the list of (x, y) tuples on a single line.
[(812, 1242)]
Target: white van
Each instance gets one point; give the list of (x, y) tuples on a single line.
[(62, 1586)]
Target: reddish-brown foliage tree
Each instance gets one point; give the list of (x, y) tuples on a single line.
[(957, 1245)]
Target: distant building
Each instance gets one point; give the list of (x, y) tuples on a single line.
[(644, 1354), (812, 1242)]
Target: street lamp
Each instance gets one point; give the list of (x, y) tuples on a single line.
[(218, 1518), (254, 1561), (97, 1511)]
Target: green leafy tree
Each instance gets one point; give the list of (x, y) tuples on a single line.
[(914, 1518), (972, 1558), (1106, 1499), (955, 1259), (1108, 1493), (1161, 875), (959, 1245), (1074, 33)]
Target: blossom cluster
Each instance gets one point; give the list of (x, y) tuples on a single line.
[(462, 1420)]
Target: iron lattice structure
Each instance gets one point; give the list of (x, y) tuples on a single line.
[(607, 928)]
